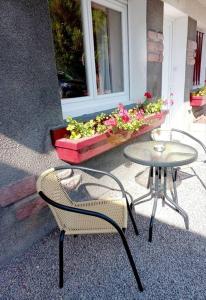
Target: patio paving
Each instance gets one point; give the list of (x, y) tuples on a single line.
[(96, 266)]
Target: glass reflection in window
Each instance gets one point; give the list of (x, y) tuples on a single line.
[(68, 37)]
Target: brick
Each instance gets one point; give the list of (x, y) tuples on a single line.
[(155, 36), (30, 209), (154, 47), (191, 53), (190, 61), (152, 35), (192, 45), (14, 192), (153, 57), (160, 36)]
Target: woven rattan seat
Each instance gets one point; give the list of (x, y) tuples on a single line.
[(85, 217)]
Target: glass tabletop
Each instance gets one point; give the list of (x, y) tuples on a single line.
[(160, 154)]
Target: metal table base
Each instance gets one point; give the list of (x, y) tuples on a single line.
[(158, 190)]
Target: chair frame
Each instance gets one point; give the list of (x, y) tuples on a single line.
[(175, 170), (97, 215)]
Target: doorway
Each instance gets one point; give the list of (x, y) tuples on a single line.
[(175, 28)]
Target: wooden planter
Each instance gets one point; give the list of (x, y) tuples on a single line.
[(197, 101), (78, 151)]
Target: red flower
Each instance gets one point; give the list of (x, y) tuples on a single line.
[(148, 95), (124, 114), (111, 122), (125, 118)]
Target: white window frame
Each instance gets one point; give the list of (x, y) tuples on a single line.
[(94, 103)]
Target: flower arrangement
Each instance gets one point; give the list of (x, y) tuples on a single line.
[(121, 119), (199, 92)]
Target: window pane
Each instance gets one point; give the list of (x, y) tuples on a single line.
[(107, 30), (69, 47)]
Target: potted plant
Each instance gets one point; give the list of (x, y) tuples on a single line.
[(80, 141), (198, 97)]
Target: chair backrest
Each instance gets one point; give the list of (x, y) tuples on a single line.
[(159, 134), (49, 183), (176, 135)]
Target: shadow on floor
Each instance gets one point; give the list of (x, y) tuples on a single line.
[(96, 266)]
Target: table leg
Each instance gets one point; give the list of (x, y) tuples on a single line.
[(174, 203), (158, 189), (152, 219), (150, 177), (156, 193), (140, 200), (174, 180)]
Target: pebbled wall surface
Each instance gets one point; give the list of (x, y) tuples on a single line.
[(30, 106)]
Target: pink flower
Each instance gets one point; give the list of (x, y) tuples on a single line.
[(148, 95), (110, 122), (124, 114), (121, 106), (168, 102), (159, 115), (140, 114)]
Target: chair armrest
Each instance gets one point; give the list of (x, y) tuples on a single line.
[(192, 137), (82, 212), (95, 171)]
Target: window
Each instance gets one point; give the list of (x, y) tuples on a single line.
[(69, 47), (91, 49), (107, 36)]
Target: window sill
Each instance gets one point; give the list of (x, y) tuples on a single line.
[(196, 101), (78, 151)]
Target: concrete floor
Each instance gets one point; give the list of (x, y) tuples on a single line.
[(96, 267)]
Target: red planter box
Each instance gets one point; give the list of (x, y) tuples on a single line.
[(197, 100), (77, 151)]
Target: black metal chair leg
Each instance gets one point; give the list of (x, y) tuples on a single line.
[(96, 215), (61, 259), (151, 229), (131, 260), (132, 218)]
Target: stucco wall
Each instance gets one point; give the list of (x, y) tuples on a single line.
[(154, 23), (192, 8), (28, 93), (29, 108)]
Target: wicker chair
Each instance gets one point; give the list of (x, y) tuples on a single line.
[(94, 216)]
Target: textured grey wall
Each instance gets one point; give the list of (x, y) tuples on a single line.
[(29, 108), (28, 89), (154, 23)]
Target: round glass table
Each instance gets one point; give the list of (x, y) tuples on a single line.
[(161, 156)]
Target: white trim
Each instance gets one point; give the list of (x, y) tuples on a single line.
[(95, 102), (87, 49), (91, 107), (203, 62), (137, 48)]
